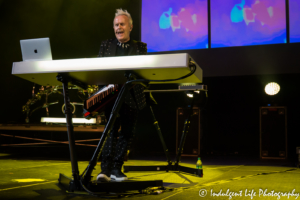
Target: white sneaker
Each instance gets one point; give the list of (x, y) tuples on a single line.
[(103, 177)]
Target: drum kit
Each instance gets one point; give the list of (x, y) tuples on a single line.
[(44, 93)]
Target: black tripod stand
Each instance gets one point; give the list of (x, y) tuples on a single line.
[(170, 166)]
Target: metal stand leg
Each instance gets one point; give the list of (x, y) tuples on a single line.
[(155, 122), (184, 133), (75, 172)]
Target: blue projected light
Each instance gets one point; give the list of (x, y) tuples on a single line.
[(174, 25), (236, 14), (294, 14), (247, 22)]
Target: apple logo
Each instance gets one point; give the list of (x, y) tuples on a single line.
[(35, 51)]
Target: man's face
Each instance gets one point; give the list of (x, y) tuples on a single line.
[(122, 28)]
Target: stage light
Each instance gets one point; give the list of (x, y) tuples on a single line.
[(272, 88), (189, 94), (63, 120)]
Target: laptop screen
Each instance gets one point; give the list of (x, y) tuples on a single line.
[(36, 49)]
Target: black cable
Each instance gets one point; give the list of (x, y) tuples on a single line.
[(83, 173), (90, 192), (87, 190)]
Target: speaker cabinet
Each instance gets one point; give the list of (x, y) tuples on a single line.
[(192, 143), (273, 132)]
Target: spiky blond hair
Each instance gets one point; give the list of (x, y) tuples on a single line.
[(124, 12)]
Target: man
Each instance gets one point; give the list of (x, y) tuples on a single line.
[(115, 149)]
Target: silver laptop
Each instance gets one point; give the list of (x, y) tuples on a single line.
[(36, 49)]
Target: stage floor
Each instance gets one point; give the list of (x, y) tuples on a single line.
[(23, 178)]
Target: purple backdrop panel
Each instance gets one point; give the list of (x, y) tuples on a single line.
[(174, 25), (294, 10), (247, 22)]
